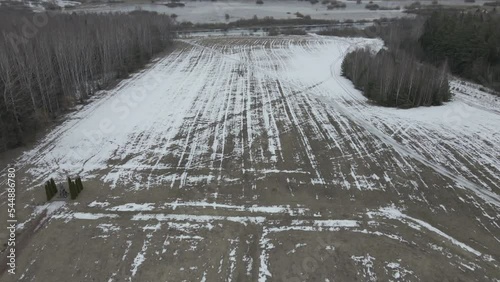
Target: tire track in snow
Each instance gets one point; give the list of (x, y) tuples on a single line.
[(486, 195)]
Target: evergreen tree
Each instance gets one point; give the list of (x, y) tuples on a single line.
[(51, 192), (53, 186), (468, 42), (48, 192), (79, 183), (75, 183), (72, 189)]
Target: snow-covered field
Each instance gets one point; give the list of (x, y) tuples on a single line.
[(211, 11), (253, 159), (215, 11)]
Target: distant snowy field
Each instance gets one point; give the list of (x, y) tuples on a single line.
[(215, 11), (210, 12)]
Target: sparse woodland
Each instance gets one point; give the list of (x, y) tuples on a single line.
[(396, 79), (48, 67)]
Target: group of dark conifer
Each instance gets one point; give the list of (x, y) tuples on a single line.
[(468, 42), (75, 187), (50, 189), (412, 70)]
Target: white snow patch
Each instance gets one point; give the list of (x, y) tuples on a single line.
[(328, 223), (393, 213), (107, 227), (85, 215), (367, 263), (98, 204), (133, 207), (198, 218), (253, 209)]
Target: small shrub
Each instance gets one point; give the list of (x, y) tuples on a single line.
[(48, 192), (53, 186), (294, 31), (273, 32), (299, 15), (336, 5), (372, 6), (175, 4)]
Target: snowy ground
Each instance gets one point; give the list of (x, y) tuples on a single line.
[(215, 11), (253, 159)]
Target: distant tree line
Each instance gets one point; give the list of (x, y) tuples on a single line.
[(468, 42), (397, 33), (49, 62), (263, 22), (273, 31), (396, 76), (396, 79), (492, 4), (344, 32)]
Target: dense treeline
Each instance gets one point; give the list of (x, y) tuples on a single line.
[(403, 34), (263, 22), (468, 42), (344, 32), (48, 62), (396, 79), (397, 33)]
